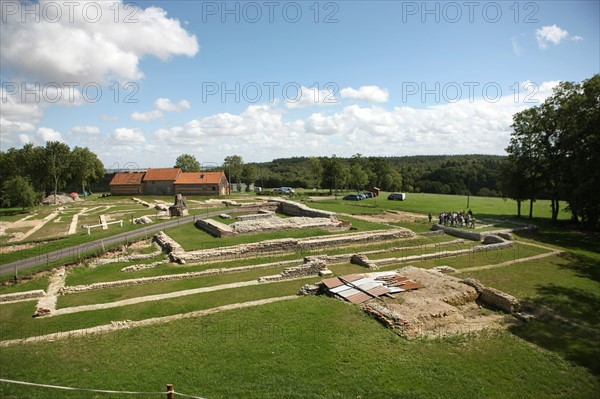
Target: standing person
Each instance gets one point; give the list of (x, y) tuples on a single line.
[(429, 216)]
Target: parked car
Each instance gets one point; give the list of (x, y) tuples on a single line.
[(283, 190), (362, 196), (369, 194), (397, 196), (352, 197)]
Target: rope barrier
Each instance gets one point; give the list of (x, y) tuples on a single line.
[(33, 384)]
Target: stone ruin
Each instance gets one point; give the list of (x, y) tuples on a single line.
[(180, 207)]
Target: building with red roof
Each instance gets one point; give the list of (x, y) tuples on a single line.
[(127, 183), (201, 183), (169, 181)]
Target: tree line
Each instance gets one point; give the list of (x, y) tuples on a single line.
[(554, 152), (30, 173)]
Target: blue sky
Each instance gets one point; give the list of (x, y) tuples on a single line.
[(277, 79)]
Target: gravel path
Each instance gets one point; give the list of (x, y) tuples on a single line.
[(57, 281)]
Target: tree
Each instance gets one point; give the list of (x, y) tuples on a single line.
[(233, 168), (316, 171), (187, 163), (85, 167), (248, 175), (57, 164), (19, 192), (555, 148), (358, 177), (334, 173)]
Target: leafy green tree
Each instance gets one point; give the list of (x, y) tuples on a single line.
[(57, 164), (316, 171), (19, 192), (233, 168), (85, 166), (358, 178), (187, 163), (248, 175), (334, 173)]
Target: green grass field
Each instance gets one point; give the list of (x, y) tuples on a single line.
[(318, 347)]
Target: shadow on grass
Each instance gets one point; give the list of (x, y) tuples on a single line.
[(569, 321), (576, 344)]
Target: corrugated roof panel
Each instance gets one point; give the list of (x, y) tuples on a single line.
[(332, 282), (359, 298), (378, 291), (352, 277), (348, 292), (369, 285)]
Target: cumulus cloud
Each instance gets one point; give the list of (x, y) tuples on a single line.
[(89, 49), (165, 104), (162, 105), (146, 116), (550, 34), (85, 130), (44, 134), (366, 93), (465, 126), (309, 96), (125, 135)]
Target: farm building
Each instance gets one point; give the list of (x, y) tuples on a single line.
[(201, 183), (127, 183), (160, 181), (168, 181)]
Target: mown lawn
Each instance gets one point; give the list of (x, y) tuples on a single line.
[(307, 348)]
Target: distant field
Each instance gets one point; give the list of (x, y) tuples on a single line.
[(436, 203)]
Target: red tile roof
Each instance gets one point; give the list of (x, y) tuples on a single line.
[(199, 178), (127, 178), (162, 174)]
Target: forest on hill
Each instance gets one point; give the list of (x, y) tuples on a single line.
[(444, 174)]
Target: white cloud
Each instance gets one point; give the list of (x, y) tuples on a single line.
[(366, 93), (85, 130), (109, 118), (165, 104), (44, 134), (146, 116), (128, 136), (516, 46), (466, 126), (577, 38), (551, 34), (309, 96), (84, 50)]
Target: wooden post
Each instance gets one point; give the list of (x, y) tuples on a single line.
[(170, 392)]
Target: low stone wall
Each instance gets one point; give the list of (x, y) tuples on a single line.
[(255, 207), (431, 233), (362, 260), (123, 258), (311, 268), (494, 247), (18, 296), (215, 228), (170, 246), (143, 266), (261, 215), (467, 234), (494, 297), (292, 208), (286, 245), (170, 277)]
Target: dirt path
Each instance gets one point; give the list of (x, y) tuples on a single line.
[(121, 325), (48, 301), (38, 226), (552, 252)]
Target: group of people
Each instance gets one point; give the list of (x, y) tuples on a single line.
[(456, 219)]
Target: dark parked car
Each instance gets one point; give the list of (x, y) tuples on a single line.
[(397, 196), (369, 194), (352, 197)]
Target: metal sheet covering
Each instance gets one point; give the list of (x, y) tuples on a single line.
[(348, 292), (332, 282), (352, 277), (378, 291), (369, 285), (359, 298)]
